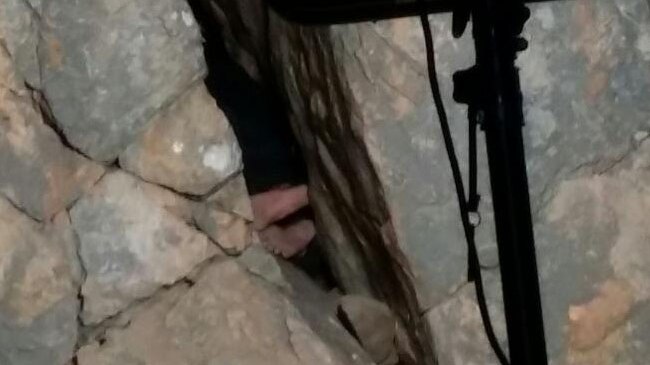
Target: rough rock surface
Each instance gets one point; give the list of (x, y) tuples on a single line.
[(374, 324), (132, 274), (226, 216), (233, 197), (37, 173), (345, 189), (130, 245), (458, 329), (357, 90), (19, 27), (108, 66), (189, 147), (597, 272), (230, 231), (122, 79), (39, 281), (228, 316)]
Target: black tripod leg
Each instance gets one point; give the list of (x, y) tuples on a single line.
[(496, 28)]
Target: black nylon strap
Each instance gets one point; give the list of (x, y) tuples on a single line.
[(474, 266)]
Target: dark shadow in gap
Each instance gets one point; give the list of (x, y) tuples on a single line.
[(270, 152)]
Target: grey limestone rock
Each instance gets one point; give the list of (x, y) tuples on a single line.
[(108, 66), (131, 243), (20, 27), (230, 231), (229, 316), (374, 324), (585, 80), (458, 329), (39, 282), (226, 216), (37, 172)]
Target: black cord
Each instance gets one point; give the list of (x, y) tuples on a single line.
[(473, 260)]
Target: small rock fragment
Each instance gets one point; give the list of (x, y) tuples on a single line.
[(262, 263), (19, 30), (373, 324), (457, 327), (230, 231)]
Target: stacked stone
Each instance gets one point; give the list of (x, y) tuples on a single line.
[(123, 206)]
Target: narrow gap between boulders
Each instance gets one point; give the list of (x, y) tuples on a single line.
[(256, 112)]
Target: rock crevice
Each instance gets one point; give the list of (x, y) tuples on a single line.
[(123, 207)]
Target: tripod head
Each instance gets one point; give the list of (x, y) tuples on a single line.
[(354, 11)]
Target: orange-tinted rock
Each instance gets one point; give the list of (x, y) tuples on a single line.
[(39, 282), (37, 172), (189, 146)]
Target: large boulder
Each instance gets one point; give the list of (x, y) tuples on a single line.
[(360, 104), (188, 147), (39, 282), (133, 239), (20, 27), (108, 66), (228, 316), (37, 172)]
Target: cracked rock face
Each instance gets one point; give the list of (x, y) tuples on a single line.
[(363, 87), (19, 27), (130, 245), (39, 281), (459, 329), (37, 173), (599, 275), (108, 66), (137, 274), (190, 147), (233, 197), (228, 316), (374, 325), (125, 263)]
